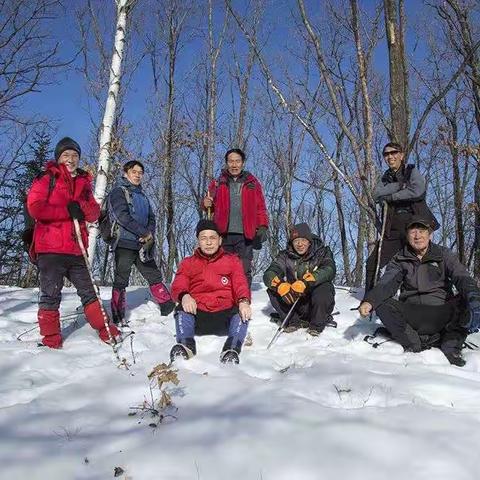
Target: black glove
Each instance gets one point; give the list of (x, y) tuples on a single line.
[(75, 211), (260, 237)]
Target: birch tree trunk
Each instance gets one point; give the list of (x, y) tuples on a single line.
[(123, 9)]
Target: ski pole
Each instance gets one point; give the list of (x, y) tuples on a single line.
[(96, 289), (281, 327)]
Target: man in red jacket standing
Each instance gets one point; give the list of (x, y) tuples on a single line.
[(57, 197), (213, 295), (239, 210)]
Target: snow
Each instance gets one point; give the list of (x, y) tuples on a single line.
[(308, 408)]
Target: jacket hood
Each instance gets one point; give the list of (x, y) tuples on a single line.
[(315, 246)]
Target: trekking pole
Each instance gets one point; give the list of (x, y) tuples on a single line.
[(97, 291), (281, 327), (380, 242)]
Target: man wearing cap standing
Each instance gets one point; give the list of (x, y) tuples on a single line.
[(426, 314), (213, 297), (401, 190), (239, 210), (305, 271), (62, 194)]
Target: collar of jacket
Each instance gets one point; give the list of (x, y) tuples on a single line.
[(315, 246), (244, 177), (433, 254), (390, 176), (124, 182), (59, 170), (210, 258)]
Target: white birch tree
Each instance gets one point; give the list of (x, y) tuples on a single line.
[(124, 8)]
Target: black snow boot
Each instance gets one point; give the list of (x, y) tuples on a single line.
[(180, 351), (230, 356), (455, 358), (331, 322)]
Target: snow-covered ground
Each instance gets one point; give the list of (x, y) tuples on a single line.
[(307, 409)]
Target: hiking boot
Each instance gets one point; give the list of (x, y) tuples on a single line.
[(304, 323), (314, 331), (180, 351), (331, 322), (455, 358), (167, 308), (230, 356), (275, 318), (291, 328)]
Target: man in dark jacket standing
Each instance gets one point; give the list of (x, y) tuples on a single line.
[(134, 242), (58, 197), (305, 270), (239, 210), (213, 296), (427, 313), (401, 190)]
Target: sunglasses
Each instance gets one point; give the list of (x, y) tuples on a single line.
[(390, 152)]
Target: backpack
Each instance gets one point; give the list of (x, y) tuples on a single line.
[(29, 221), (107, 221)]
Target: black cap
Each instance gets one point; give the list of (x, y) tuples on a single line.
[(205, 224), (301, 230), (66, 143), (419, 220)]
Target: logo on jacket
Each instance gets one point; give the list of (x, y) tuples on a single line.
[(224, 281)]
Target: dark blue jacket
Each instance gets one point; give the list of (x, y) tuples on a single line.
[(136, 219)]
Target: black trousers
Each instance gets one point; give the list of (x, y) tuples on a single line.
[(390, 247), (394, 240), (124, 260), (237, 243), (53, 268), (412, 325), (314, 307)]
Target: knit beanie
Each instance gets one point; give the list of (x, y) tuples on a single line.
[(205, 224), (66, 143), (301, 230)]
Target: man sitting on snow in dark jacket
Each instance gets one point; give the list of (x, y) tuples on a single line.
[(213, 295), (304, 271), (427, 314)]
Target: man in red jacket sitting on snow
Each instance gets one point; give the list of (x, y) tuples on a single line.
[(213, 295)]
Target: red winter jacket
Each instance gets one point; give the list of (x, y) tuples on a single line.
[(216, 283), (254, 210), (54, 230)]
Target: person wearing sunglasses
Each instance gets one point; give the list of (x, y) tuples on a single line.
[(401, 190)]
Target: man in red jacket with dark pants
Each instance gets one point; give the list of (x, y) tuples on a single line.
[(239, 210), (61, 194), (213, 295)]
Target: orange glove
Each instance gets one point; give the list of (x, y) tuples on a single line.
[(285, 292), (309, 278), (299, 288), (275, 283)]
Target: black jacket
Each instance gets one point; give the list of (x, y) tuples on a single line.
[(427, 281)]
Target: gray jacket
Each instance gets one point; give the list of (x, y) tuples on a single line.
[(427, 281), (394, 183)]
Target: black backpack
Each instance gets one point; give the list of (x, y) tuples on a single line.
[(28, 220), (107, 221)]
